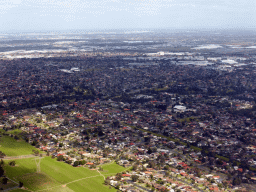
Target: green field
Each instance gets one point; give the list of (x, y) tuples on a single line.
[(15, 132), (22, 167), (59, 176), (112, 168), (18, 190), (12, 147)]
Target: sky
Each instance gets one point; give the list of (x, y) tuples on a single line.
[(36, 15)]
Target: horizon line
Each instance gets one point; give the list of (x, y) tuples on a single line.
[(130, 29)]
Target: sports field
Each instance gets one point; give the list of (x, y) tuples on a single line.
[(60, 177), (12, 147)]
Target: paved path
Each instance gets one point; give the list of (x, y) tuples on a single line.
[(10, 189), (21, 157), (12, 181), (101, 174)]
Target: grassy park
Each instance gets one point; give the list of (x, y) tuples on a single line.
[(12, 147), (112, 168), (59, 176), (54, 175)]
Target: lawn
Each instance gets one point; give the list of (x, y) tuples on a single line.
[(77, 178), (22, 167), (18, 190), (58, 176), (12, 147), (91, 185), (112, 168), (63, 172), (15, 132)]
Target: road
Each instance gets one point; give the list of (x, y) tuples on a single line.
[(207, 169), (189, 184), (135, 184)]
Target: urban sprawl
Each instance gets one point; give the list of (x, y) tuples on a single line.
[(178, 110)]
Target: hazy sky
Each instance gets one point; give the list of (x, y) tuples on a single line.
[(119, 14)]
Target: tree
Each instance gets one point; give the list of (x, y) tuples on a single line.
[(66, 121), (151, 164), (60, 158), (160, 181), (166, 167), (134, 178), (135, 166), (68, 161), (34, 143), (116, 124), (4, 181), (225, 184), (60, 144), (55, 141), (236, 181), (105, 154), (36, 152), (2, 155), (76, 163), (117, 186), (107, 181), (20, 184), (12, 163), (82, 162), (149, 151), (118, 176), (1, 171)]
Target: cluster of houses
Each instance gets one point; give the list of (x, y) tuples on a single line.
[(102, 131)]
